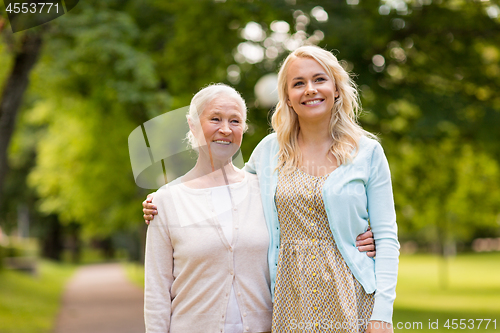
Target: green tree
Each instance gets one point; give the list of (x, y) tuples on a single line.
[(99, 86), (24, 50)]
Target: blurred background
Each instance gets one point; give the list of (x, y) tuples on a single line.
[(73, 90)]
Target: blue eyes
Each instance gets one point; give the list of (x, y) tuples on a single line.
[(301, 83)]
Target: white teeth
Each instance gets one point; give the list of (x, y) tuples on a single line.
[(316, 101), (222, 142)]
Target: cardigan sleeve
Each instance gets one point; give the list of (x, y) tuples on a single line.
[(254, 161), (262, 155), (250, 165), (382, 217), (158, 271)]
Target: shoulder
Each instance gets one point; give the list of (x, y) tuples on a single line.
[(268, 144), (366, 143), (369, 152), (164, 194), (161, 194), (369, 147), (270, 137), (263, 154), (373, 155), (251, 177), (268, 140), (253, 180), (252, 186)]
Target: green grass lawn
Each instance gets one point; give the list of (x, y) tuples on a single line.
[(29, 304), (472, 292)]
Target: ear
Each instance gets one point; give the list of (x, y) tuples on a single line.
[(192, 126), (336, 93), (289, 103), (190, 123)]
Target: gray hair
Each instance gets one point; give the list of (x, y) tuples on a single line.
[(203, 98)]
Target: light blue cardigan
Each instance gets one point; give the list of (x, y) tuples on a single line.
[(354, 194)]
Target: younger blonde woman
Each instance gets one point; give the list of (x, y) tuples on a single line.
[(323, 181)]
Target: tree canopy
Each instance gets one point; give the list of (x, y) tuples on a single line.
[(427, 71)]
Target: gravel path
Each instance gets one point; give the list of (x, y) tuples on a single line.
[(100, 299)]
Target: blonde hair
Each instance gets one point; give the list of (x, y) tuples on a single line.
[(344, 129), (203, 98)]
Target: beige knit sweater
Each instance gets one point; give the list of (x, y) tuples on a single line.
[(190, 267)]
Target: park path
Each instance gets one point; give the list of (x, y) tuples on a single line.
[(100, 299)]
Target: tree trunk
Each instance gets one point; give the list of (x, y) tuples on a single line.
[(52, 238), (75, 244), (17, 82)]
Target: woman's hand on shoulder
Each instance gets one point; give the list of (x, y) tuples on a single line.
[(366, 243), (149, 209), (376, 326)]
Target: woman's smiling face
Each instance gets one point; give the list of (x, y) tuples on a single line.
[(222, 126), (311, 92)]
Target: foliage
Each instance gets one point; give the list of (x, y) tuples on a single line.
[(97, 88), (439, 188)]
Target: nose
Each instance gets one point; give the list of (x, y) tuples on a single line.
[(224, 128), (310, 89)]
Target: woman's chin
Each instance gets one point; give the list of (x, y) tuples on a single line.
[(221, 153), (223, 156)]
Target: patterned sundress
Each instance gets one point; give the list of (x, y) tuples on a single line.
[(315, 289)]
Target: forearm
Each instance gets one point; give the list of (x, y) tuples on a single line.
[(383, 223), (386, 274)]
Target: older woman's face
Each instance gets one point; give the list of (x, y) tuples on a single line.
[(222, 126)]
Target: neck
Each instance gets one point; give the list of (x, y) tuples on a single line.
[(314, 133), (211, 173)]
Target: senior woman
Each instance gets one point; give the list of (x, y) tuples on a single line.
[(206, 252)]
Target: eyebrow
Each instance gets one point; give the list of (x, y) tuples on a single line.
[(217, 113), (301, 78)]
